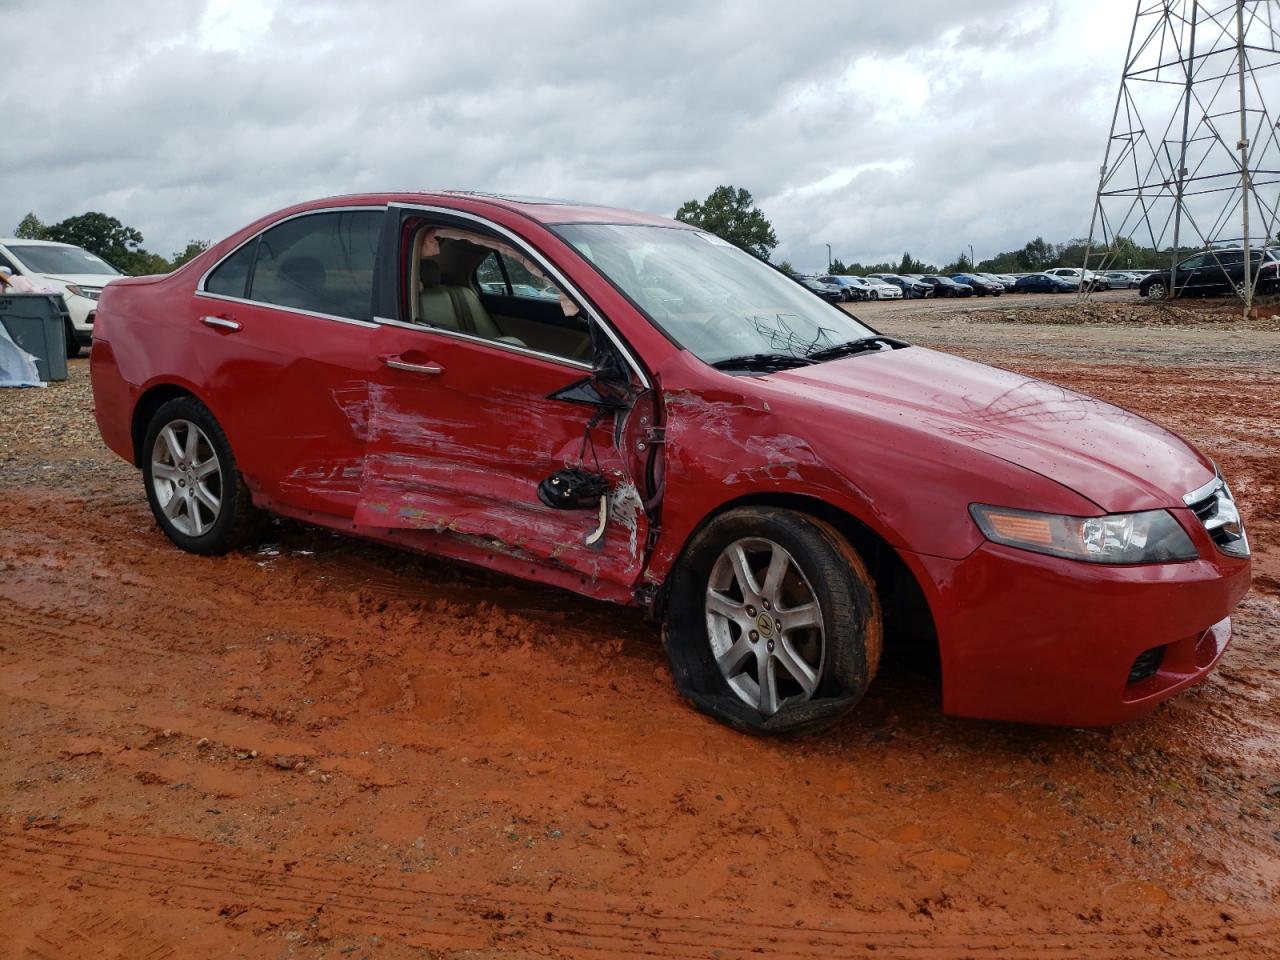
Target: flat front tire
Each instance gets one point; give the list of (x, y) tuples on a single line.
[(773, 623), (193, 485)]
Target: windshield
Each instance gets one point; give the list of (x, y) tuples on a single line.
[(710, 297), (55, 260)]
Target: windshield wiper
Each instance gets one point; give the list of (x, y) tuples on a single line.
[(763, 362), (855, 346)]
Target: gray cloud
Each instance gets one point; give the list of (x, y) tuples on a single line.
[(872, 129)]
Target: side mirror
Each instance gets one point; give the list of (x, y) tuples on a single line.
[(609, 385)]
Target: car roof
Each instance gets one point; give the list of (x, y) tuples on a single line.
[(545, 210)]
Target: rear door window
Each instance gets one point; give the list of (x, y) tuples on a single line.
[(321, 263)]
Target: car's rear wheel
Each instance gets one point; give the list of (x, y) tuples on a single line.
[(875, 294), (773, 624), (1155, 291), (193, 485)]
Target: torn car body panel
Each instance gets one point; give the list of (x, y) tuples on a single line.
[(463, 452)]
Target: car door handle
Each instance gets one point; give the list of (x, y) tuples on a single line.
[(429, 369), (222, 323)]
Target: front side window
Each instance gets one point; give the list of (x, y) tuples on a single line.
[(474, 284), (1191, 262), (710, 297), (320, 262)]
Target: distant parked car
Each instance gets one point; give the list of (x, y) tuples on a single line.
[(910, 287), (982, 286), (946, 287), (1045, 283), (1214, 273), (860, 288), (851, 288), (74, 272), (1091, 280), (1123, 279), (828, 291)]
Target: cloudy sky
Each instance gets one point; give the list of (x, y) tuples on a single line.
[(925, 125)]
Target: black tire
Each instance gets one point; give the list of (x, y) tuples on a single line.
[(845, 595), (73, 345), (237, 519)]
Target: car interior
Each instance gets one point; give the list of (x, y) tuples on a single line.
[(473, 284)]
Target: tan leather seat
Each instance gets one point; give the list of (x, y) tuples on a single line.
[(456, 307), (435, 305)]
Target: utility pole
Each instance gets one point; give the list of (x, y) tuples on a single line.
[(1201, 171), (972, 265), (1243, 146), (828, 258)]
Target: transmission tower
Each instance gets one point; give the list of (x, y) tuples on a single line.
[(1193, 158)]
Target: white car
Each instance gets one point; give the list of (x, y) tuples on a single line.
[(868, 288), (1092, 280), (74, 272), (881, 289)]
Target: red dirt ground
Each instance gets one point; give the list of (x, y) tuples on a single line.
[(319, 748)]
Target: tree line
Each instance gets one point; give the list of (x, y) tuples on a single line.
[(108, 238), (730, 213)]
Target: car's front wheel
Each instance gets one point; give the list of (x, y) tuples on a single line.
[(194, 488), (1155, 291), (773, 624)]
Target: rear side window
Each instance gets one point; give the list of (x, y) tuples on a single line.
[(231, 279), (321, 262)]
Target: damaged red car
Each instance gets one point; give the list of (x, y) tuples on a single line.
[(628, 407)]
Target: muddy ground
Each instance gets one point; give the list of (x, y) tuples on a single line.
[(320, 748)]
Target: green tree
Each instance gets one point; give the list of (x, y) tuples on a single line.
[(785, 267), (729, 213), (106, 236), (839, 268), (909, 264), (30, 228), (193, 250), (1037, 255)]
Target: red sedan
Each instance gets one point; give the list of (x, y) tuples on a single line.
[(625, 406)]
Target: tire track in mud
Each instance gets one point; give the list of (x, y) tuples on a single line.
[(193, 875)]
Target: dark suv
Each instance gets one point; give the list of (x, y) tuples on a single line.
[(1214, 273)]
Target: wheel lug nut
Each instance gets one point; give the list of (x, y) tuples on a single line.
[(778, 625), (766, 605), (754, 636), (751, 611), (771, 646)]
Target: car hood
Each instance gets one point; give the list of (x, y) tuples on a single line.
[(82, 279), (1117, 459)]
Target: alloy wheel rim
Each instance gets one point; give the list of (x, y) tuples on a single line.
[(186, 477), (765, 625), (1156, 291)]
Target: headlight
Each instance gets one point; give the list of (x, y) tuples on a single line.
[(73, 288), (1149, 537)]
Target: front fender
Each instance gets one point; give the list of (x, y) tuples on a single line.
[(724, 446)]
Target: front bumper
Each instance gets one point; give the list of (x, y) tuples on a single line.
[(1039, 639)]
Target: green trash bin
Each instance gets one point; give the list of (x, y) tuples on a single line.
[(36, 323)]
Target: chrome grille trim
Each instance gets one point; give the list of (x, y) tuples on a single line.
[(1215, 508), (1203, 492)]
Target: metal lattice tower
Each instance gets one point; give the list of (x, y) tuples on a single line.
[(1193, 158)]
